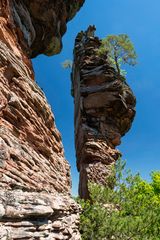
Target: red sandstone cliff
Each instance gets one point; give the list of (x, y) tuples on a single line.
[(35, 184), (104, 111)]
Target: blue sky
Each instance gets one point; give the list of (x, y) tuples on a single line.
[(140, 19)]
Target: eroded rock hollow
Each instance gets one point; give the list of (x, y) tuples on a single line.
[(35, 183), (104, 111)]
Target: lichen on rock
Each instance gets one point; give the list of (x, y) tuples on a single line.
[(38, 216)]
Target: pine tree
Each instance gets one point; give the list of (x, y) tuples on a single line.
[(119, 50)]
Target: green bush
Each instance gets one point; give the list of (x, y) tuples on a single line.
[(130, 211)]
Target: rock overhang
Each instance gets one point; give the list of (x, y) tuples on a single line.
[(43, 23)]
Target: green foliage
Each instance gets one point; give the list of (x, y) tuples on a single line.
[(130, 211), (120, 50), (67, 64)]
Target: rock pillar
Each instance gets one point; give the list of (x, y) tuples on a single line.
[(104, 111)]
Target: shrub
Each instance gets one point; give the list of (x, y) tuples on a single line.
[(130, 211)]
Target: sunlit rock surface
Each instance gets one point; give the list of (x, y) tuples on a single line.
[(35, 183), (104, 111), (37, 215)]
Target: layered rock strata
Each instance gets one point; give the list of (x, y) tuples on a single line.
[(35, 183), (104, 111), (38, 215)]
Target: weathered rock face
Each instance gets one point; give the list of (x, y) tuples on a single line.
[(104, 111), (43, 23), (35, 184), (33, 215)]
